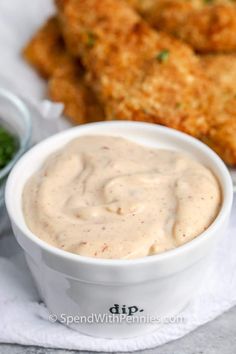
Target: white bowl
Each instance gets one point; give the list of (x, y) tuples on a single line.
[(15, 116), (155, 286)]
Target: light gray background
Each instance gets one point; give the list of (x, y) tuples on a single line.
[(216, 337)]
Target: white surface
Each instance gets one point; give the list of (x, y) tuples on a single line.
[(23, 318), (72, 285), (18, 21)]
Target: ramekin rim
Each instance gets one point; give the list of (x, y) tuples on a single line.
[(222, 215)]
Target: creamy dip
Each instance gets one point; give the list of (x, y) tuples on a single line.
[(108, 197)]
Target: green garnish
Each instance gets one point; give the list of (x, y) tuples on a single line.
[(163, 55), (178, 105), (8, 147), (91, 39)]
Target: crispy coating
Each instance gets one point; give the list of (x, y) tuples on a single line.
[(46, 52), (222, 139), (137, 73), (207, 26), (67, 85), (221, 69), (222, 133)]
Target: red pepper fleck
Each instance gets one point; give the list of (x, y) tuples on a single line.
[(104, 248)]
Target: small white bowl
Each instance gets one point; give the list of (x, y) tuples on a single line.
[(155, 286), (15, 116)]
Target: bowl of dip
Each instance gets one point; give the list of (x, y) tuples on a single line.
[(15, 133), (118, 222)]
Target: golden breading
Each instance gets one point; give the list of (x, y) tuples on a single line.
[(221, 69), (207, 26), (137, 73), (46, 52), (81, 105), (222, 139), (67, 84)]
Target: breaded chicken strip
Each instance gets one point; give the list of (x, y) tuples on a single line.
[(46, 52), (137, 73), (221, 69), (222, 133), (222, 138), (207, 25), (67, 85)]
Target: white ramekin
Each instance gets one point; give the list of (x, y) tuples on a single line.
[(15, 116), (155, 286)]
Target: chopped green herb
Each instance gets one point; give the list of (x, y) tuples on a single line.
[(91, 39), (163, 55), (8, 147), (178, 105)]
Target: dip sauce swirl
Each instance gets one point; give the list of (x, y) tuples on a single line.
[(108, 197)]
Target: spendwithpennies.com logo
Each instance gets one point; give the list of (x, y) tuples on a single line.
[(107, 318)]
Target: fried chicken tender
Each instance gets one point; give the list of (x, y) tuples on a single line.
[(139, 81), (221, 137), (221, 69), (207, 26), (67, 85), (136, 72), (46, 52)]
